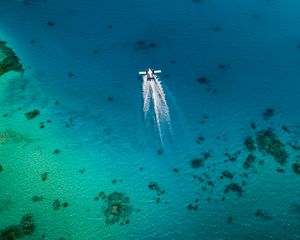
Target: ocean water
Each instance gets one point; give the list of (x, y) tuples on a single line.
[(90, 166)]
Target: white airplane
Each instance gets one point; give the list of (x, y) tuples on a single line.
[(150, 74)]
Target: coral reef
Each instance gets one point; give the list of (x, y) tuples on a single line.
[(269, 143), (8, 60), (13, 232), (117, 209)]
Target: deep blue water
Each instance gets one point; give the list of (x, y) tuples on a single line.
[(230, 71)]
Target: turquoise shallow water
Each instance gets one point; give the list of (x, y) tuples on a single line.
[(81, 62)]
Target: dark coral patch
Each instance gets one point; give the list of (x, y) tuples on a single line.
[(268, 113), (56, 205), (32, 114), (197, 163), (296, 168), (154, 186), (262, 214), (223, 66), (192, 207), (234, 187), (249, 161), (250, 144), (202, 80), (269, 143), (37, 198), (142, 46), (227, 174), (44, 176), (56, 151), (9, 61), (50, 23), (117, 209), (25, 227), (217, 29)]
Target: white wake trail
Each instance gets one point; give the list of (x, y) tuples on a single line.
[(146, 95), (164, 108), (153, 93)]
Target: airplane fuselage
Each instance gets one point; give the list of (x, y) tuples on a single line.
[(150, 74)]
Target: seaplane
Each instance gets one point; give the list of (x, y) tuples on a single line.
[(150, 74)]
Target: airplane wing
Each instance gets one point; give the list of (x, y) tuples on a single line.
[(142, 73)]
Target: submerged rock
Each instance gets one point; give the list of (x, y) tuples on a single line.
[(269, 143), (8, 60), (117, 209)]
